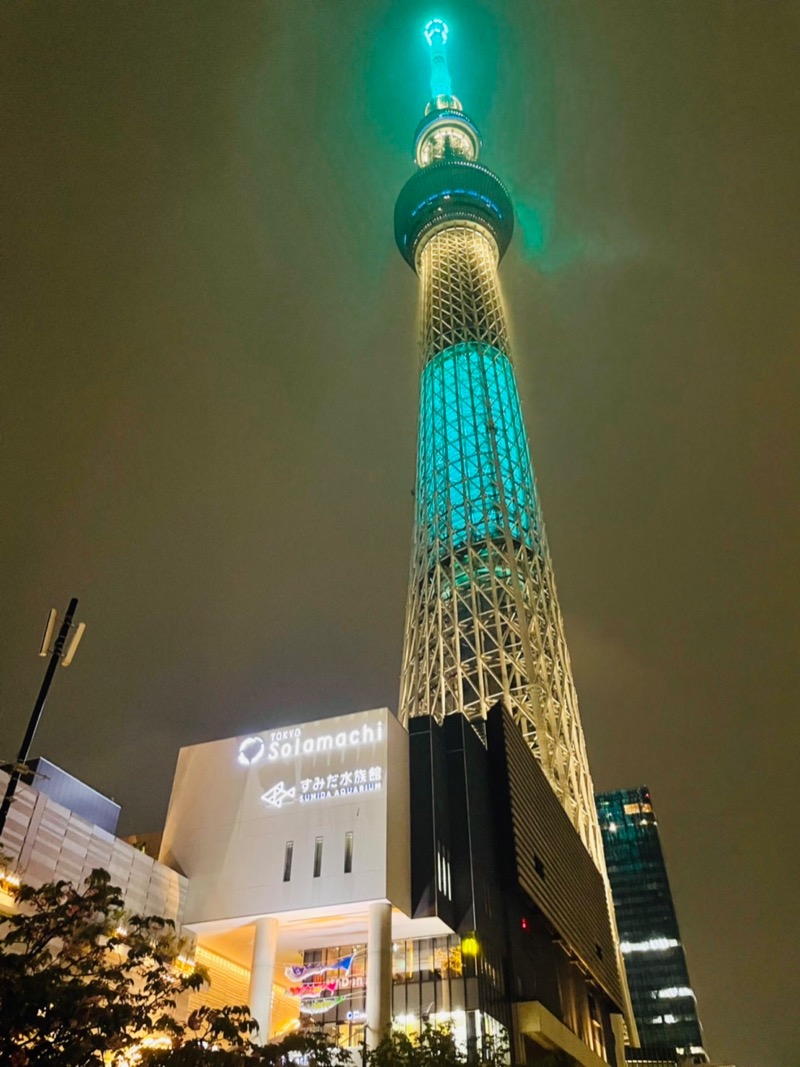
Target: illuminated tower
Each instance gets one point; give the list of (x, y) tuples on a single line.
[(483, 623)]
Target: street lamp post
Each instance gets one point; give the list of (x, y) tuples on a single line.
[(58, 652)]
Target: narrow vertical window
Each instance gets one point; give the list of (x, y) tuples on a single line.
[(287, 861), (443, 883), (318, 857), (348, 852)]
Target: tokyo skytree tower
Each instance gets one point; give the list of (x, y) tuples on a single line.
[(483, 623)]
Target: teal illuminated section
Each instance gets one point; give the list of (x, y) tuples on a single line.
[(436, 35), (473, 467)]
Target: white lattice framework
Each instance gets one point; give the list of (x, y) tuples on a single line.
[(483, 622)]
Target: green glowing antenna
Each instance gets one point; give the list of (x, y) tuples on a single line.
[(436, 35)]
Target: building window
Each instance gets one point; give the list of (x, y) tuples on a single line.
[(318, 857), (443, 875), (596, 1037), (538, 866), (287, 861), (348, 852)]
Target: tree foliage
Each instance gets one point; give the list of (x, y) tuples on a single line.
[(82, 984), (313, 1048), (434, 1047), (307, 1048), (79, 979)]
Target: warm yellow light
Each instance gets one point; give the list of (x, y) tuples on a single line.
[(133, 1056), (469, 946), (162, 1041), (293, 1024), (9, 883)]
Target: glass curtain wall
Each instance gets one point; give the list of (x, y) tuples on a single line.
[(440, 981)]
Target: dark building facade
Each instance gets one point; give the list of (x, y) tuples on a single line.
[(496, 857), (663, 1001), (72, 794)]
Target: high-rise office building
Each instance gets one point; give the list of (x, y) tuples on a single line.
[(663, 1001), (483, 623)]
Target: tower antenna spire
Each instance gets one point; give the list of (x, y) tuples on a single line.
[(436, 35)]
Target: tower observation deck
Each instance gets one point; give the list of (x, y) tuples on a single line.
[(483, 623)]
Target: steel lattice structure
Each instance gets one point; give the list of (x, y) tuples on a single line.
[(483, 623)]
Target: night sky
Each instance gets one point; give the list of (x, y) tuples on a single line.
[(210, 383)]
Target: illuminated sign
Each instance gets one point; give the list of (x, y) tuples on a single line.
[(292, 742), (287, 744), (313, 748), (348, 783), (276, 796), (250, 751)]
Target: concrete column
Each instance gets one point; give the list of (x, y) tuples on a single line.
[(379, 972), (618, 1030), (262, 974)]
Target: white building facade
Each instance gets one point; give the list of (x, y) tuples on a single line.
[(296, 845)]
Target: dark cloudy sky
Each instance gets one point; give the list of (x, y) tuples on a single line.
[(209, 397)]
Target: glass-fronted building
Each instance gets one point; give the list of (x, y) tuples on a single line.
[(663, 1001)]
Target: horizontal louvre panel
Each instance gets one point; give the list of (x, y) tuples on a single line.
[(571, 893), (48, 842)]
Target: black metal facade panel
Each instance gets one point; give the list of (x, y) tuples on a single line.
[(431, 823), (553, 868), (452, 810), (73, 794)]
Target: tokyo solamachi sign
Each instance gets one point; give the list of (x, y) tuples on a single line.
[(356, 749), (292, 742)]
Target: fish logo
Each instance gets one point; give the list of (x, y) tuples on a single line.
[(279, 795)]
